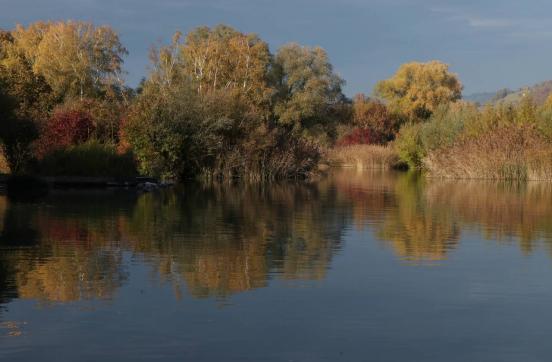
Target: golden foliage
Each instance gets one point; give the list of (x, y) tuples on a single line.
[(417, 89), (74, 58)]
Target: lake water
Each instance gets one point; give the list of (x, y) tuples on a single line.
[(358, 266)]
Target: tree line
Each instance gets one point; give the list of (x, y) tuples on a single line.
[(216, 102)]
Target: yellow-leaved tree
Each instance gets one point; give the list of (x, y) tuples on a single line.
[(417, 89)]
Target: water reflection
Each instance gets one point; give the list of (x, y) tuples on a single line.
[(219, 240)]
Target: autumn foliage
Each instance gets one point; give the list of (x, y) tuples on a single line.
[(361, 136), (373, 123), (63, 129), (374, 115), (218, 103)]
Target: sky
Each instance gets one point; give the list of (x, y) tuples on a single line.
[(490, 44)]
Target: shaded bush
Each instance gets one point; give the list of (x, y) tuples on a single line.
[(88, 159), (18, 136), (16, 133), (267, 155)]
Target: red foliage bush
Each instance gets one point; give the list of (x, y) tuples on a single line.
[(63, 129), (363, 136), (374, 115)]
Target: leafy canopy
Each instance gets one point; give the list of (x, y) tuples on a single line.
[(308, 88), (417, 89)]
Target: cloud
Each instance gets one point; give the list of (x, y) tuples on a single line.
[(476, 22), (513, 29), (473, 21)]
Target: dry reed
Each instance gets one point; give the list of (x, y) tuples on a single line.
[(509, 153), (364, 156)]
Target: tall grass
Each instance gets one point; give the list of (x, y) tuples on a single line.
[(89, 159), (515, 152), (498, 142), (364, 156)]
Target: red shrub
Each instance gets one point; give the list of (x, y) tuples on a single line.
[(63, 129), (373, 114), (362, 136)]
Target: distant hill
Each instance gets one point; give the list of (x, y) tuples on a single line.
[(538, 92), (480, 98)]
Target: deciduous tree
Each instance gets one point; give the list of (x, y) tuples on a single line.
[(417, 89), (309, 91)]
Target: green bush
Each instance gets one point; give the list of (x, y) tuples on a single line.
[(445, 126), (409, 146), (89, 159)]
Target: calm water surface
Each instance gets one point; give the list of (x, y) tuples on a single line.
[(355, 267)]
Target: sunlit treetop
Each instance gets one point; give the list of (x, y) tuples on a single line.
[(417, 89)]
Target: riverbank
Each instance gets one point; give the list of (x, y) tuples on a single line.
[(22, 185)]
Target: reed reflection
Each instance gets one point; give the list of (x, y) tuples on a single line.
[(424, 219)]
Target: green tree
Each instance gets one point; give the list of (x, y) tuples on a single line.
[(206, 109), (309, 92)]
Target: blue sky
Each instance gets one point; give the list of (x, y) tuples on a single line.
[(491, 44)]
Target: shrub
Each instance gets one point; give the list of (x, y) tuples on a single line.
[(446, 124), (88, 159), (408, 145), (63, 129), (268, 155), (362, 136), (374, 115), (176, 133), (104, 114), (18, 136)]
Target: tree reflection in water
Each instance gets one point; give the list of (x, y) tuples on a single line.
[(216, 240)]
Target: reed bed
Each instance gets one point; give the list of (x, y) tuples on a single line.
[(364, 156), (509, 153)]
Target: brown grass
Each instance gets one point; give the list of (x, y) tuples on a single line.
[(509, 153), (364, 156)]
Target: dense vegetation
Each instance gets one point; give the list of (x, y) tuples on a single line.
[(499, 142), (218, 103), (60, 86)]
